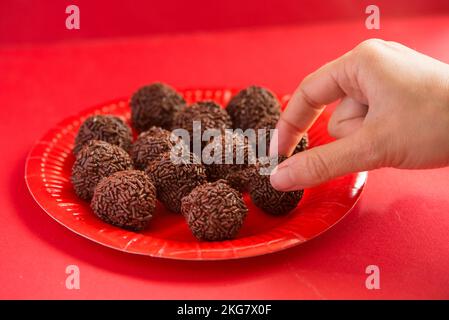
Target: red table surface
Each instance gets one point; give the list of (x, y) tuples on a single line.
[(401, 223)]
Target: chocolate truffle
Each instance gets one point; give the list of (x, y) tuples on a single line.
[(208, 113), (252, 104), (155, 105), (175, 179), (96, 160), (106, 128), (126, 199), (151, 144), (230, 154), (269, 123), (214, 211), (264, 196)]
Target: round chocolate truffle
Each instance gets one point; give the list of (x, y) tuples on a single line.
[(151, 144), (126, 199), (106, 128), (252, 104), (209, 113), (227, 157), (214, 211), (176, 178), (269, 123), (265, 196), (96, 160), (155, 105)]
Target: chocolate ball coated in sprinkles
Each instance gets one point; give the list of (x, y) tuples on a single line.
[(235, 147), (126, 199), (252, 104), (96, 160), (264, 196), (214, 211), (106, 128), (208, 113), (175, 179), (151, 144), (155, 105)]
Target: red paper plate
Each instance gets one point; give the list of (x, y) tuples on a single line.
[(47, 174)]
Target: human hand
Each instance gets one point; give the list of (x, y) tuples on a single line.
[(394, 112)]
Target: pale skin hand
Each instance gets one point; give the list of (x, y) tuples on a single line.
[(394, 112)]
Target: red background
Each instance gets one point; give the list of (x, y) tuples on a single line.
[(400, 224), (24, 21)]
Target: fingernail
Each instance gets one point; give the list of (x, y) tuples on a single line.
[(281, 180)]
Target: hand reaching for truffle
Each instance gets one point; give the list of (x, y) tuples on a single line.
[(394, 112)]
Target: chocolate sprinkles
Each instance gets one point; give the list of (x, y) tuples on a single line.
[(155, 105), (214, 211), (250, 105), (242, 158), (175, 179), (106, 128), (126, 199), (150, 145), (266, 197), (208, 113), (96, 160)]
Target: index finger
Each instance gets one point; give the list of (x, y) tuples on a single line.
[(306, 104)]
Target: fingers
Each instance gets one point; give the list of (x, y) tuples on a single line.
[(347, 118), (356, 152), (306, 104)]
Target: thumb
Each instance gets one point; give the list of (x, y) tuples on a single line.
[(356, 152)]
